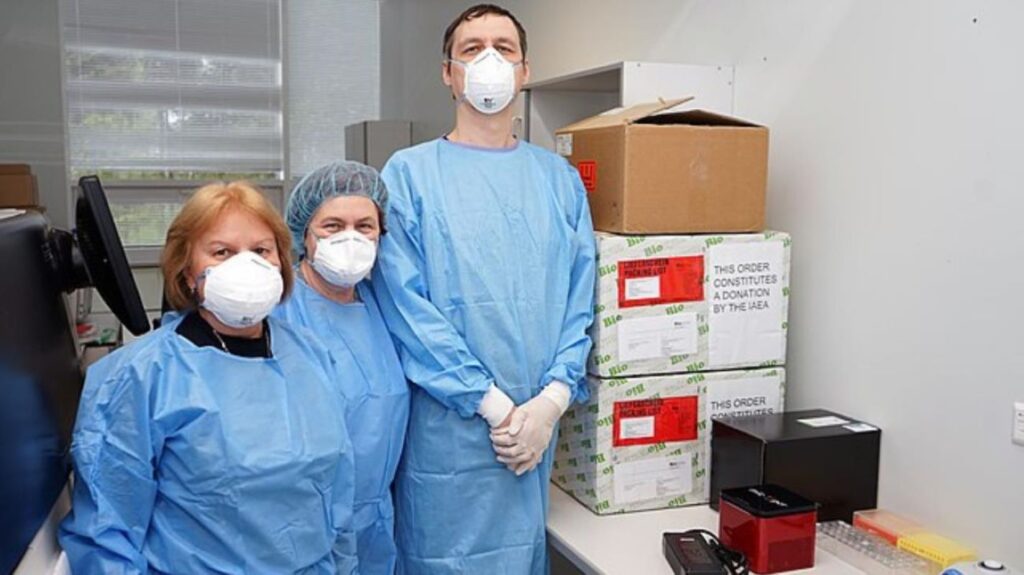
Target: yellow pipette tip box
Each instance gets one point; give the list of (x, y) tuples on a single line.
[(936, 548)]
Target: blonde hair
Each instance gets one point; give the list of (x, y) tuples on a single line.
[(198, 215)]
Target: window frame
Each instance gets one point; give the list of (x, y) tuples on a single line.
[(119, 191)]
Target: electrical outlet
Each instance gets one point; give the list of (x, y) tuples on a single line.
[(1018, 423)]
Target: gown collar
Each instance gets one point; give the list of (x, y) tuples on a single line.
[(511, 148)]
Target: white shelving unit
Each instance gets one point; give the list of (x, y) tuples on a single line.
[(549, 104)]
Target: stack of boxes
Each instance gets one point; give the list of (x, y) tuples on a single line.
[(691, 302)]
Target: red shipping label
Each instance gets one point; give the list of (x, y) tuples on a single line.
[(657, 420), (588, 173), (661, 280)]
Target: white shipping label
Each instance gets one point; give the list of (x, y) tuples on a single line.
[(636, 427), (643, 288), (825, 421), (657, 337), (744, 397), (652, 479), (745, 301), (860, 427), (563, 144)]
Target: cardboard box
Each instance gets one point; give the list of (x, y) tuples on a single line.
[(642, 443), (828, 458), (679, 172), (18, 191), (674, 304), (14, 169)]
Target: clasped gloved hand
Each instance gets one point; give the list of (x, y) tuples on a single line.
[(521, 444)]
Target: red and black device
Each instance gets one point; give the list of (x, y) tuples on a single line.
[(771, 525)]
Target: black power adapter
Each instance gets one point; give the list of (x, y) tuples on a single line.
[(698, 552)]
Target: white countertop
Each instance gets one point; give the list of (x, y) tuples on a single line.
[(630, 543)]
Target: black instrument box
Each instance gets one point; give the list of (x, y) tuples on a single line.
[(828, 458)]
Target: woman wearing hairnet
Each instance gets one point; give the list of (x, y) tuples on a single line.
[(217, 443), (335, 215)]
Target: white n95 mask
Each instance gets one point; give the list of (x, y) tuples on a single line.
[(242, 290), (345, 258), (490, 81)]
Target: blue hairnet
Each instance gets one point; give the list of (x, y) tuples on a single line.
[(326, 182)]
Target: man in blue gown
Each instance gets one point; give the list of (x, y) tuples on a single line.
[(486, 282)]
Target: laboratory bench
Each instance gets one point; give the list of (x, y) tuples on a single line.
[(630, 543)]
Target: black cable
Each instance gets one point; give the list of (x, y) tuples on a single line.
[(735, 562)]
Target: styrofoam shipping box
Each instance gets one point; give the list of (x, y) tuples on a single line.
[(643, 442), (674, 304)]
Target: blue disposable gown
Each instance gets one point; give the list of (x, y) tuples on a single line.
[(486, 275), (377, 396), (192, 460)]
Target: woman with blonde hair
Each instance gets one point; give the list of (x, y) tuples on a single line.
[(216, 443)]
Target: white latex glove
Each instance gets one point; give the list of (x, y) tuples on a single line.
[(521, 444), (495, 407)]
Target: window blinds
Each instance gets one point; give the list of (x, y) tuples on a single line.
[(174, 87)]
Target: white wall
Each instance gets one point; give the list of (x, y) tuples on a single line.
[(391, 68), (896, 164), (411, 88), (332, 63), (31, 106)]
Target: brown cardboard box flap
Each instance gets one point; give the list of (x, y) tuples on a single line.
[(625, 116), (696, 118)]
